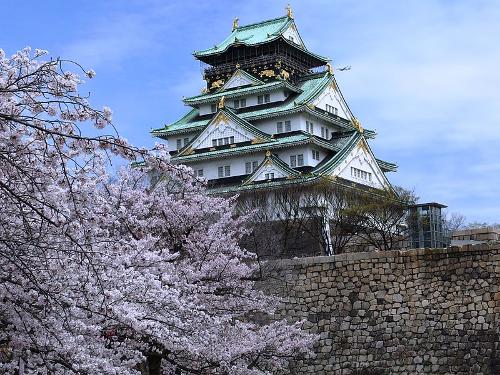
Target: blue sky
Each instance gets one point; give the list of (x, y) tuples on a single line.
[(425, 74)]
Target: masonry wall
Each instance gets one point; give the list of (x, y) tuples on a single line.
[(419, 311)]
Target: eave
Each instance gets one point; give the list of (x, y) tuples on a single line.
[(207, 98)]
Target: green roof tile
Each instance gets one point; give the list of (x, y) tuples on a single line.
[(255, 34)]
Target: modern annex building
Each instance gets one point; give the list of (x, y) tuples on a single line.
[(271, 115)]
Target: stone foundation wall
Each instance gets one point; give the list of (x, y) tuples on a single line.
[(419, 311)]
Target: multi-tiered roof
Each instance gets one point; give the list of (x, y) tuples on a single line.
[(260, 76)]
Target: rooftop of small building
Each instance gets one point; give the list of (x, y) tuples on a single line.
[(431, 204)]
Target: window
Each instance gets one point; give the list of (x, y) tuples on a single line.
[(358, 173), (315, 154), (251, 166), (300, 160), (224, 171), (266, 98), (279, 127), (288, 126), (179, 144), (331, 109), (198, 172), (309, 127), (269, 176), (324, 132), (222, 141), (240, 103), (296, 160), (186, 141), (213, 108)]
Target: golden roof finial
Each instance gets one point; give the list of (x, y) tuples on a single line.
[(222, 102), (289, 11), (235, 23), (357, 124), (268, 153), (329, 68)]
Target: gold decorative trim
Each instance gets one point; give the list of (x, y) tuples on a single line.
[(357, 124), (329, 68), (289, 11), (267, 73), (284, 74), (362, 145), (222, 102), (217, 84)]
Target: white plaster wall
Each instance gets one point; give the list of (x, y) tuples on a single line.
[(278, 173), (317, 125), (275, 96), (205, 109), (269, 126), (332, 97), (237, 81), (221, 130), (237, 163), (360, 159), (291, 32), (172, 140)]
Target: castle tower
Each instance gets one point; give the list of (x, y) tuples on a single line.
[(272, 114)]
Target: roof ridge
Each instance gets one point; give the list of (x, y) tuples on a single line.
[(252, 25)]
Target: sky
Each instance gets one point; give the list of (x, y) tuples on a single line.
[(424, 74)]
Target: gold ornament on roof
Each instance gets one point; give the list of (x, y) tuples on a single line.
[(267, 73), (238, 65), (329, 68), (235, 23), (268, 153), (284, 74), (363, 145), (217, 84), (357, 125), (222, 102), (289, 11), (204, 90)]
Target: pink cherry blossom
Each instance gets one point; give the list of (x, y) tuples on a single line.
[(105, 274)]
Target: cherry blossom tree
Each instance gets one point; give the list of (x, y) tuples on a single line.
[(108, 276)]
